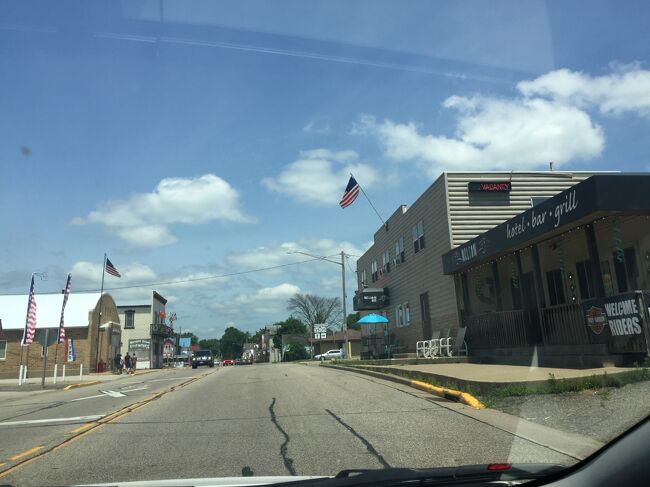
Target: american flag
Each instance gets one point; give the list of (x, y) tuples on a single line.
[(110, 268), (351, 193), (172, 316), (66, 293), (30, 321)]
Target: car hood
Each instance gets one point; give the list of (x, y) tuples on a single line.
[(209, 482)]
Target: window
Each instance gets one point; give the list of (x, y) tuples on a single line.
[(364, 278), (555, 287), (627, 272), (385, 261), (402, 314), (3, 349), (418, 237), (398, 315), (399, 251), (128, 319), (585, 283), (407, 313), (373, 270)]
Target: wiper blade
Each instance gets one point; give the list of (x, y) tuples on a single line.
[(466, 475)]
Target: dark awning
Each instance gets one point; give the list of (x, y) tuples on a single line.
[(599, 195)]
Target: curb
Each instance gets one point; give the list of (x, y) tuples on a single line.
[(82, 384), (445, 393)]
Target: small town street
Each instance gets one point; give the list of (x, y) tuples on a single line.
[(274, 419)]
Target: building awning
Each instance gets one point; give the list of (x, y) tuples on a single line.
[(593, 198)]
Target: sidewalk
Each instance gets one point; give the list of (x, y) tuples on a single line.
[(484, 378), (34, 383)]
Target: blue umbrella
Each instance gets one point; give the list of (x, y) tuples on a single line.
[(372, 318)]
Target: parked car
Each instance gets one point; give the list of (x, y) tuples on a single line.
[(239, 361), (330, 354), (202, 357), (228, 362)]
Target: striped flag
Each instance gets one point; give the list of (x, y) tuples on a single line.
[(66, 293), (351, 193), (110, 268), (30, 321)]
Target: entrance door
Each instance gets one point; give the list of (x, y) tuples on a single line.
[(426, 316), (533, 331)]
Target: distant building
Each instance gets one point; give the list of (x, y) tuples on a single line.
[(144, 331), (336, 341), (92, 330)]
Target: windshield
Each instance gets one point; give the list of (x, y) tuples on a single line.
[(402, 234)]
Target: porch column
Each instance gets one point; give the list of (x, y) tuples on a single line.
[(463, 281), (539, 283), (519, 274), (596, 272), (497, 285)]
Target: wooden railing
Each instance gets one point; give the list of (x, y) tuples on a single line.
[(503, 329), (563, 325)]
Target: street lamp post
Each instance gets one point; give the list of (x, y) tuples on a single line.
[(345, 316)]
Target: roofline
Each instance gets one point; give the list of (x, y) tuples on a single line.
[(159, 298)]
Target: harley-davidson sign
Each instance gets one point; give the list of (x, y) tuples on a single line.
[(596, 319)]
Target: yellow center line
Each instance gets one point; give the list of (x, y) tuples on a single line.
[(26, 452), (83, 427)]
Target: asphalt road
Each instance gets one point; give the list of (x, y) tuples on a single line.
[(279, 419)]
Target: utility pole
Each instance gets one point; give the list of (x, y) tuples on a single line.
[(345, 315)]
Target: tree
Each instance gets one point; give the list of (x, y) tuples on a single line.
[(351, 321), (193, 338), (295, 351), (212, 344), (290, 326), (312, 309), (232, 342)]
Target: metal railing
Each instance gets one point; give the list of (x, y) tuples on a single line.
[(502, 329), (563, 325)]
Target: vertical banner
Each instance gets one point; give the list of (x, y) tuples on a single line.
[(71, 355)]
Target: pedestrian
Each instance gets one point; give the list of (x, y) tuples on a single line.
[(121, 365), (116, 363), (127, 363), (134, 361)]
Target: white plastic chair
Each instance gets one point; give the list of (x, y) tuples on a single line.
[(454, 346), (434, 343), (420, 349)]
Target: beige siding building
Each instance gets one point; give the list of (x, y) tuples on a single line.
[(144, 331), (401, 273)]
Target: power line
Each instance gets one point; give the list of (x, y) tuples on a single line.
[(182, 281)]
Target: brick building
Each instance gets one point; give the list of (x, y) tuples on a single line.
[(92, 327), (401, 274)]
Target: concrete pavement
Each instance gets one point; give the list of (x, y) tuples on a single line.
[(281, 419)]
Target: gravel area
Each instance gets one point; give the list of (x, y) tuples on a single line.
[(602, 414)]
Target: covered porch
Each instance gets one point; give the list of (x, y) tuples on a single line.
[(561, 284)]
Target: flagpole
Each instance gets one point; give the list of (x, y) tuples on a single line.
[(373, 206), (99, 313)]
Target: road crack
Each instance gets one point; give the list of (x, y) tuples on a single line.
[(368, 445), (288, 461)]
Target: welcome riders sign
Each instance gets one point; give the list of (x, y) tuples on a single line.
[(619, 321)]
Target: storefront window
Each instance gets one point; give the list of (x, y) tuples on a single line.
[(555, 287), (585, 282), (627, 272)]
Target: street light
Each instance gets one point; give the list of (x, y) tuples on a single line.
[(342, 264)]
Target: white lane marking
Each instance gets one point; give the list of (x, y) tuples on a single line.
[(168, 378), (113, 393), (52, 420), (137, 389), (87, 397)]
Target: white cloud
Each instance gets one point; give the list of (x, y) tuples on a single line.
[(319, 176), (269, 256), (267, 299), (491, 133), (144, 218), (627, 89), (311, 128)]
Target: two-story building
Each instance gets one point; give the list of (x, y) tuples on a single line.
[(401, 274), (144, 331)]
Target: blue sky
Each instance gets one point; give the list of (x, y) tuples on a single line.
[(220, 138)]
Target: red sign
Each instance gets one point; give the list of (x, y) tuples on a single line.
[(596, 319), (489, 186)]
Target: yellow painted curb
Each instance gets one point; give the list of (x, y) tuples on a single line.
[(463, 397), (82, 384)]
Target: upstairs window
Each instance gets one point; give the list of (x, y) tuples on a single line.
[(373, 269), (399, 251), (364, 278), (129, 320), (418, 237), (385, 261)]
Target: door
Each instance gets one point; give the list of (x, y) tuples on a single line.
[(426, 316)]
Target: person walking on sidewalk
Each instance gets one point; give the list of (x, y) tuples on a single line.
[(117, 362), (134, 362), (127, 363)]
